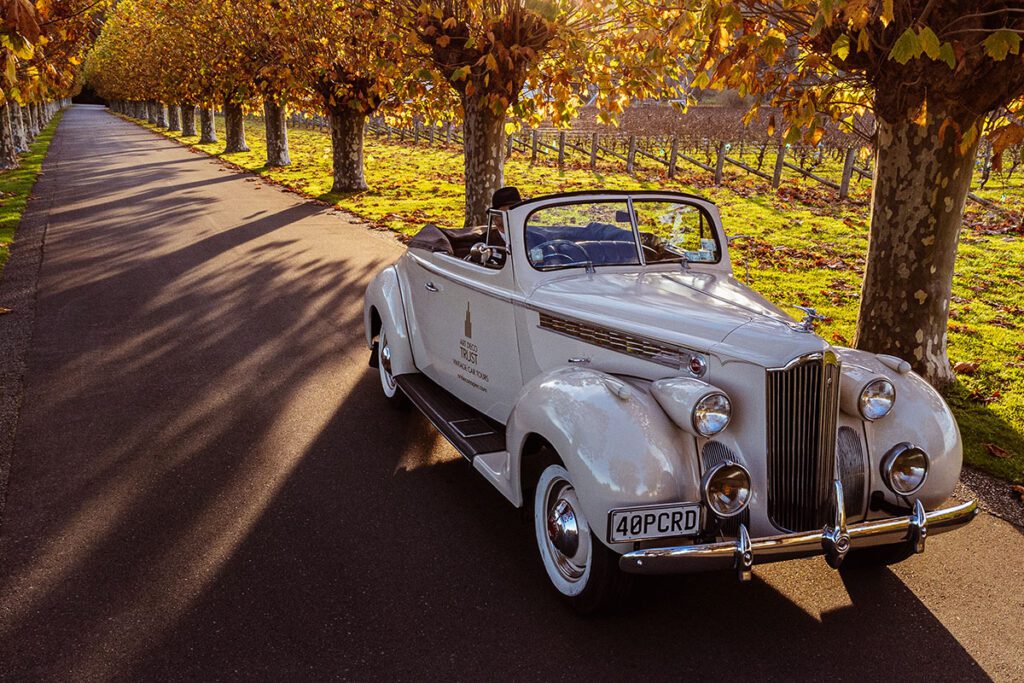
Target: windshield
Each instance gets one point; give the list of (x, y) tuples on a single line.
[(601, 233)]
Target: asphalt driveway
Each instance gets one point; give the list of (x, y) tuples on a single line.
[(206, 484)]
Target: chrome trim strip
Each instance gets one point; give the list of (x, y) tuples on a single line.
[(697, 558), (662, 353)]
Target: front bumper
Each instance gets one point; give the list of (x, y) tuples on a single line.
[(834, 541)]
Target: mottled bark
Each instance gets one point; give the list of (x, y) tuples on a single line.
[(173, 117), (921, 184), (347, 127), (207, 126), (234, 129), (484, 158), (188, 120), (18, 128), (161, 114), (33, 124), (277, 133), (8, 151), (151, 112)]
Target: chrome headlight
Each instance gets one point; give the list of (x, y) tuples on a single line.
[(726, 489), (904, 469), (877, 399), (711, 414)]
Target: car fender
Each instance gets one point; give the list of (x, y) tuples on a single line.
[(619, 447), (920, 416), (384, 294)]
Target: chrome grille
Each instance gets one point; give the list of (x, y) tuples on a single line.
[(802, 403), (668, 355), (852, 470)]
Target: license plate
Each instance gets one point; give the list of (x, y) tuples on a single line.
[(654, 521)]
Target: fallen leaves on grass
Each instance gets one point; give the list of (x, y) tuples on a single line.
[(965, 368), (996, 451)]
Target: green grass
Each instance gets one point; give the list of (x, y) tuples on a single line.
[(806, 248), (16, 186)]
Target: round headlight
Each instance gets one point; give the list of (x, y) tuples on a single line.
[(904, 469), (877, 399), (711, 414), (726, 489)]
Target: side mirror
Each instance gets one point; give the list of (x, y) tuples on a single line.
[(481, 253)]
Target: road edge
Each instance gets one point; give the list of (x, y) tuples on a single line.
[(18, 290)]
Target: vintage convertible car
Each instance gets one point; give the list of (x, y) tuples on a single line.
[(598, 361)]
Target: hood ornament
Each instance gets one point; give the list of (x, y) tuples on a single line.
[(811, 319)]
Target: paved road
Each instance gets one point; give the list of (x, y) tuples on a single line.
[(205, 483)]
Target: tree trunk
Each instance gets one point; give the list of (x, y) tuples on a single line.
[(207, 126), (188, 120), (173, 117), (484, 135), (234, 124), (277, 133), (161, 115), (151, 112), (18, 128), (917, 206), (8, 150), (33, 127), (347, 149)]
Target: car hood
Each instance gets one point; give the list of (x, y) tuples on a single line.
[(702, 311)]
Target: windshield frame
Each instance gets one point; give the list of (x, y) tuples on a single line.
[(629, 198)]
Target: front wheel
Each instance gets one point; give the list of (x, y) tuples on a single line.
[(584, 572)]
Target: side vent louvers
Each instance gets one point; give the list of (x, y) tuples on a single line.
[(852, 470)]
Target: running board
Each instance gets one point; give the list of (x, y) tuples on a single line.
[(470, 431)]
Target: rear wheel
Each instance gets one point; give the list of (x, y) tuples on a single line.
[(387, 381), (583, 571)]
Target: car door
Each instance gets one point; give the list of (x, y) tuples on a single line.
[(466, 339)]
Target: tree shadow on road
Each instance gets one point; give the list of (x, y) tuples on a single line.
[(207, 484)]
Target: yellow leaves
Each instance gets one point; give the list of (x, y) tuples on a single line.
[(888, 13), (443, 41), (490, 62), (1000, 43), (1006, 136), (922, 115), (906, 47), (929, 42), (449, 24), (857, 13), (841, 47)]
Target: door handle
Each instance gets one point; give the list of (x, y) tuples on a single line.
[(430, 287)]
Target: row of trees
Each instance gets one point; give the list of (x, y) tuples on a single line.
[(932, 73), (42, 45), (481, 61)]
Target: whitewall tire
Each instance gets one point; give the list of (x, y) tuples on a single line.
[(387, 381), (583, 571)]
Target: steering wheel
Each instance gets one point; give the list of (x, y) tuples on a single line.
[(548, 251)]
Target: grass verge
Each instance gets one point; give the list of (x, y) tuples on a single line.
[(806, 248), (16, 186)]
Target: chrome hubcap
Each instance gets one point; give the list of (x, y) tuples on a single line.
[(385, 358), (563, 532), (568, 536)]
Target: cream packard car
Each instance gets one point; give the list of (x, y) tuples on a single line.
[(592, 356)]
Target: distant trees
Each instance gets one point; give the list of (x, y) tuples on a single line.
[(41, 48), (477, 60)]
